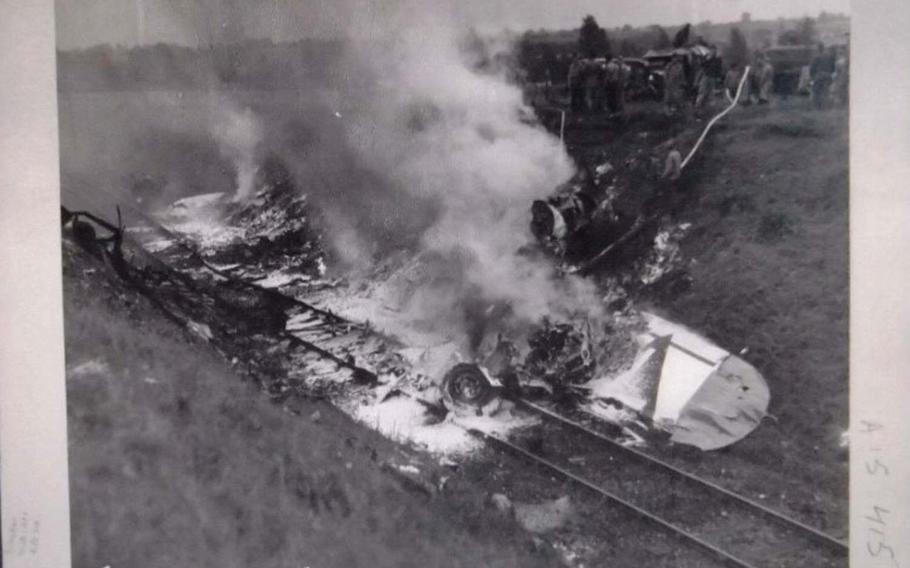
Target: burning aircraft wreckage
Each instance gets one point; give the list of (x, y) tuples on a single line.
[(367, 341)]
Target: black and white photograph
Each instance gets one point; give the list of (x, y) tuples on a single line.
[(436, 283)]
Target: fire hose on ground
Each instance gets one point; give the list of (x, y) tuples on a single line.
[(643, 221), (720, 115)]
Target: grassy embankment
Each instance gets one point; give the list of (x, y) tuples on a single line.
[(771, 274)]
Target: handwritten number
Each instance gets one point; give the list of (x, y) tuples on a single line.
[(874, 467), (881, 547), (878, 518)]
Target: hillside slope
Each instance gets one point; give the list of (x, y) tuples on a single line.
[(770, 273)]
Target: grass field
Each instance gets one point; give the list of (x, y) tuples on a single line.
[(176, 461)]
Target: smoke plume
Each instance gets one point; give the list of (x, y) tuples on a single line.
[(439, 129), (238, 133)]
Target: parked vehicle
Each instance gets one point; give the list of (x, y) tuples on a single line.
[(789, 62), (693, 57)]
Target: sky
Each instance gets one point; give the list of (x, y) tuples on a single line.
[(81, 23)]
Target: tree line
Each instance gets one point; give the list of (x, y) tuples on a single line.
[(259, 64), (543, 58)]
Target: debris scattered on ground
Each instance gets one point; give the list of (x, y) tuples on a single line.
[(664, 257), (200, 329), (409, 476), (546, 516), (561, 353), (270, 237), (501, 503), (602, 170), (405, 418), (686, 385), (407, 468), (433, 383)]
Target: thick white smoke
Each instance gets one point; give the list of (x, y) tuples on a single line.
[(438, 128), (239, 134)]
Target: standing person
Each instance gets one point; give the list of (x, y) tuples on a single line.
[(576, 88), (674, 84), (613, 78), (731, 81), (765, 79), (548, 86), (704, 89), (804, 85), (673, 163), (625, 72), (593, 73), (822, 69), (841, 80)]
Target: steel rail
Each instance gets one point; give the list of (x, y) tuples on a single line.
[(784, 519), (726, 557), (361, 374)]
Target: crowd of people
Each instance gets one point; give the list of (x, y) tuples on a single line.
[(829, 77), (598, 84), (826, 79), (690, 80), (758, 87)]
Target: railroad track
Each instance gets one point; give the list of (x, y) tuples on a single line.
[(322, 345), (733, 529)]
